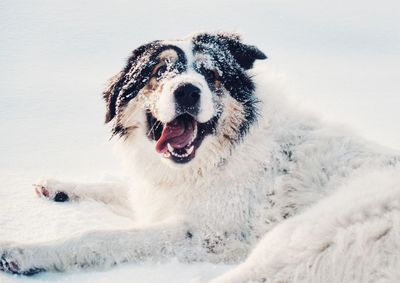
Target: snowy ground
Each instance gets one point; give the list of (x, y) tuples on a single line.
[(341, 58)]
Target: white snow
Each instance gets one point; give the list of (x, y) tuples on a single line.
[(339, 58)]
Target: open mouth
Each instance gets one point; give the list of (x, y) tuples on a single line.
[(179, 139)]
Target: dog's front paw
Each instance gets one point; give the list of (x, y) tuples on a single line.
[(52, 189), (12, 261)]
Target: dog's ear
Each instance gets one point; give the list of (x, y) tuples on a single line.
[(115, 84), (110, 95), (244, 54)]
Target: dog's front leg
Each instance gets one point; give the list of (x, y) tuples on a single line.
[(96, 249)]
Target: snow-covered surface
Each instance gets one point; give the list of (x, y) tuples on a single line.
[(340, 58)]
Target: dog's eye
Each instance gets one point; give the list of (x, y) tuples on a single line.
[(211, 75), (160, 71)]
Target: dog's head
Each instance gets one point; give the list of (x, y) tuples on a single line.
[(179, 97)]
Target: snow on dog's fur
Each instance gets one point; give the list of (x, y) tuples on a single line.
[(222, 168)]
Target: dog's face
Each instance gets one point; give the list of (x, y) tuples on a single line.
[(179, 94)]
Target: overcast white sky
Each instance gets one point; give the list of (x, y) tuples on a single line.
[(340, 58)]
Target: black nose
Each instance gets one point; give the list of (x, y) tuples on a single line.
[(187, 96)]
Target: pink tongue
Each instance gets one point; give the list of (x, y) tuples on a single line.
[(178, 133)]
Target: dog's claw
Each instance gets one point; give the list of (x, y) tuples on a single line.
[(41, 190), (10, 266)]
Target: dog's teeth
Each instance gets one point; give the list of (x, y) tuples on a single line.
[(194, 134), (190, 150), (178, 155), (171, 151)]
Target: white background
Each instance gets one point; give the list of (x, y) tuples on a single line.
[(340, 58)]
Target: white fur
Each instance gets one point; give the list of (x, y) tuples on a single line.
[(343, 194), (350, 236), (166, 103)]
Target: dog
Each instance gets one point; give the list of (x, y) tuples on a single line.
[(223, 169)]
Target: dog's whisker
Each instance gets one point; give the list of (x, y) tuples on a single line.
[(153, 128)]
